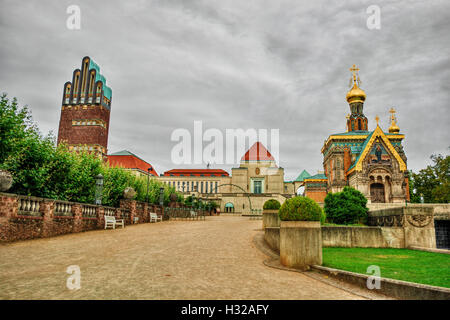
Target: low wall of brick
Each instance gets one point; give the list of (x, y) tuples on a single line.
[(24, 217)]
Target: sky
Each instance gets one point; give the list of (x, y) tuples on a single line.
[(237, 64)]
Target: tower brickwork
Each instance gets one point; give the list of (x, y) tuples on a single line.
[(85, 112)]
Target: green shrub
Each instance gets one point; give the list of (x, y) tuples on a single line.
[(323, 217), (272, 204), (300, 209), (346, 207)]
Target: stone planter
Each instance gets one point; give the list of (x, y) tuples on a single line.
[(6, 180), (300, 244), (270, 218)]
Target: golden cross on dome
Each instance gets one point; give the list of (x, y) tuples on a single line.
[(392, 112), (354, 71), (377, 118)]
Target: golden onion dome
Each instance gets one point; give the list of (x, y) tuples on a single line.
[(356, 94), (394, 128)]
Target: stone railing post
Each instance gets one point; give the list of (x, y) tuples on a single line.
[(77, 212), (8, 209), (118, 213), (100, 217), (133, 211), (144, 212), (46, 207)]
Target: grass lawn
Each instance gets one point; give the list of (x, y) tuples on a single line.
[(401, 264)]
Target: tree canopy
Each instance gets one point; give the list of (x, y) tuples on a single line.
[(433, 182), (346, 207), (42, 169)]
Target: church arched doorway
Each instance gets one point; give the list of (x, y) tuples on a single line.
[(229, 207), (377, 193)]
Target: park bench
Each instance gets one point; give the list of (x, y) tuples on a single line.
[(154, 217), (111, 221)]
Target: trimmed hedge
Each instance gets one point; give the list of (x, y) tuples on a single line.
[(271, 204), (301, 209)]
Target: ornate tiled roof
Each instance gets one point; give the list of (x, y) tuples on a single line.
[(352, 133), (98, 76), (317, 176), (302, 176), (364, 145), (369, 142)]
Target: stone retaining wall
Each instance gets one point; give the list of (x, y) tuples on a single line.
[(271, 218), (272, 237), (396, 227), (362, 237), (348, 237), (417, 223), (23, 217)]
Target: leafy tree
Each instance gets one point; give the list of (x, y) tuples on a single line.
[(188, 201), (42, 169), (433, 182), (214, 205), (346, 207), (300, 209), (15, 126)]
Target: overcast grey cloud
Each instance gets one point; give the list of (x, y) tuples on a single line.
[(237, 64)]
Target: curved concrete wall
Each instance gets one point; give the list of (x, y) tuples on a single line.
[(271, 218)]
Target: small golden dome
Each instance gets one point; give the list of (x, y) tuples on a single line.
[(394, 128), (356, 94)]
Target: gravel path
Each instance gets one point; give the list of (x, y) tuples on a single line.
[(212, 259)]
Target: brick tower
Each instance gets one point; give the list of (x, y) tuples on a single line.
[(86, 107)]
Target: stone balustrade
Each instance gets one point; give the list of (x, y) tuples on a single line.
[(23, 217), (63, 209), (29, 206)]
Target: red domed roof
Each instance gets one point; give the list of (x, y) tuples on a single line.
[(257, 152)]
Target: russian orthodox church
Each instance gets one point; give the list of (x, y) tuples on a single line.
[(372, 162)]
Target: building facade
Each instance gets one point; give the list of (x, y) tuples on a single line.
[(372, 162), (256, 180), (85, 111)]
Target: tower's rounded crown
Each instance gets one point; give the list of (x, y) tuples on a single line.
[(356, 95)]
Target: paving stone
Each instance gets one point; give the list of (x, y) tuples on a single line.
[(211, 259)]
